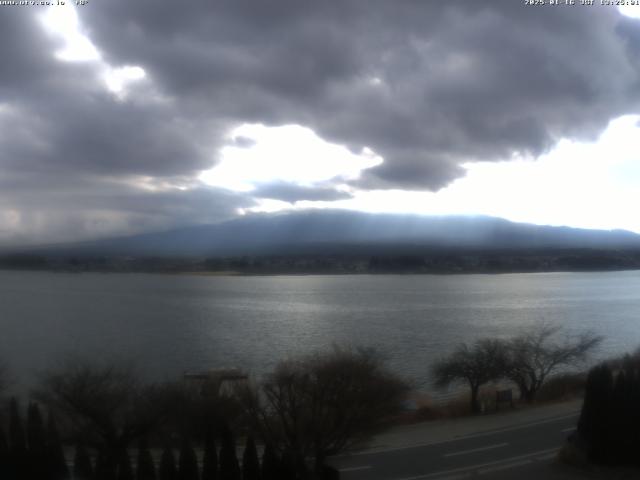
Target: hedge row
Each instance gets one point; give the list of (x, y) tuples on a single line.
[(36, 453)]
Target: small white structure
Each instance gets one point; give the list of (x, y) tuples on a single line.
[(216, 381)]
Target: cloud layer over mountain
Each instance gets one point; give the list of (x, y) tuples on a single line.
[(87, 148)]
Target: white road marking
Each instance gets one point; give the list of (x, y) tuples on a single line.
[(505, 466), (505, 461), (474, 450), (548, 456), (570, 429), (353, 469), (456, 477)]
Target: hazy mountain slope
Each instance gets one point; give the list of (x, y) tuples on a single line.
[(326, 231)]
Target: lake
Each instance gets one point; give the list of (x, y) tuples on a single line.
[(168, 324)]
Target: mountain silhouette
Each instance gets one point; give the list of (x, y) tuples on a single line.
[(331, 231)]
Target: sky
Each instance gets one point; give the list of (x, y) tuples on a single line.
[(120, 117)]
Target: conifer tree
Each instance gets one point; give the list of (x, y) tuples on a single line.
[(17, 443), (622, 434), (146, 469), (56, 461), (270, 464), (106, 466), (188, 462), (168, 469), (634, 421), (125, 472), (37, 444), (229, 467), (250, 463), (609, 423), (330, 473), (594, 424), (82, 467), (287, 470), (210, 460), (5, 471)]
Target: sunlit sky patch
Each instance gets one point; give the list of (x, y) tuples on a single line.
[(289, 153), (588, 185), (630, 10), (63, 22)]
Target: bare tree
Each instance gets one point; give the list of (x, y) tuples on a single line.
[(538, 353), (322, 404), (106, 405), (193, 412), (476, 365)]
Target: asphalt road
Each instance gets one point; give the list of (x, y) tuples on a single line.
[(490, 454)]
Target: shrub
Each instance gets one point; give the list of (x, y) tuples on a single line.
[(563, 386), (322, 404)]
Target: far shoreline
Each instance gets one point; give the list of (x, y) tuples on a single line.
[(237, 273)]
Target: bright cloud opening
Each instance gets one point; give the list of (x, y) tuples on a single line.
[(290, 153), (589, 185), (63, 21), (630, 10), (586, 185), (117, 79)]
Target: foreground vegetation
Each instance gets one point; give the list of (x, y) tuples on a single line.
[(527, 360), (307, 409), (608, 430)]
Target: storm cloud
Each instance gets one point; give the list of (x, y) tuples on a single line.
[(428, 86)]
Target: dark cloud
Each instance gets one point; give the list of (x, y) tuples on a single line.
[(458, 82), (78, 162), (411, 170), (426, 85), (291, 192), (24, 60), (59, 208)]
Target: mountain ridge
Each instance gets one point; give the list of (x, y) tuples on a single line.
[(329, 231)]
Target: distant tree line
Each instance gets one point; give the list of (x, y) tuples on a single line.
[(526, 360), (344, 259)]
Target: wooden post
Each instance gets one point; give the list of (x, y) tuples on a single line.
[(503, 396)]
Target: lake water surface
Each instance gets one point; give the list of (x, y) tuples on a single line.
[(168, 324)]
